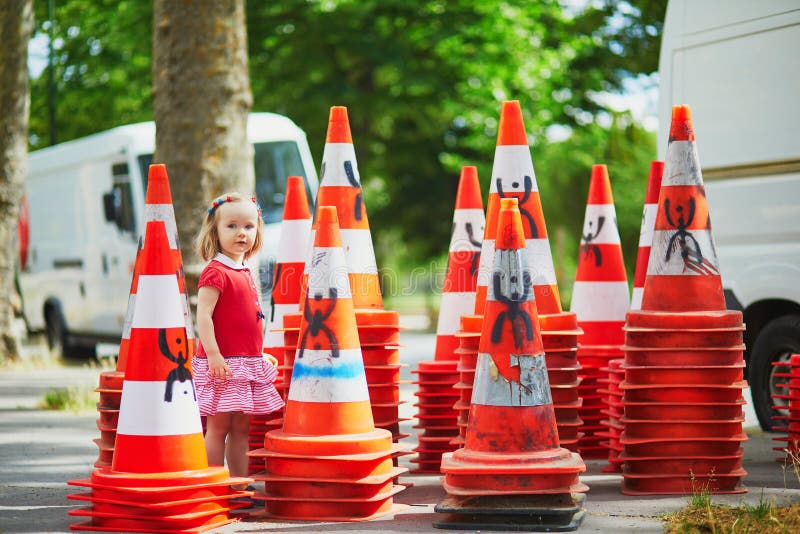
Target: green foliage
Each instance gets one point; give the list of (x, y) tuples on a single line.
[(74, 399), (423, 82), (102, 68)]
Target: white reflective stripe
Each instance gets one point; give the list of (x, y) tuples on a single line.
[(292, 245), (312, 235), (358, 251), (460, 240), (636, 298), (187, 317), (540, 262), (486, 262), (452, 307), (144, 412), (648, 225), (511, 164), (126, 324), (158, 302), (273, 333), (328, 270), (600, 301), (166, 213), (334, 156), (609, 233), (705, 265), (682, 164), (492, 389), (510, 264), (318, 377)]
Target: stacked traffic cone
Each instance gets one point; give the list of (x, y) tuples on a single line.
[(378, 329), (614, 413), (157, 207), (513, 177), (600, 300), (683, 351), (159, 479), (788, 400), (646, 231), (436, 396), (328, 462), (285, 298), (512, 470)]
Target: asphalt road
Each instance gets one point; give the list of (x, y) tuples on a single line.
[(40, 450)]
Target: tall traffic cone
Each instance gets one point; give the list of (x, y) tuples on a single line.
[(157, 207), (787, 399), (513, 177), (159, 480), (285, 298), (682, 392), (646, 231), (378, 329), (328, 462), (600, 300), (511, 465), (437, 418)]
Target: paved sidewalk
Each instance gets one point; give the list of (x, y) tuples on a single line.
[(41, 450)]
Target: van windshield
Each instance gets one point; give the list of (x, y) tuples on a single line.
[(274, 162)]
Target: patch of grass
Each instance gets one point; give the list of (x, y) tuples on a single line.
[(74, 399), (760, 511), (719, 519)]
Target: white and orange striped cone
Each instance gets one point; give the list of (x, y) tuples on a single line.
[(646, 231), (682, 392), (513, 177), (436, 396), (285, 298), (600, 300), (511, 463), (378, 329), (159, 480), (157, 207), (328, 462)]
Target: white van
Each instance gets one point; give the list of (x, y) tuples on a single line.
[(736, 64), (86, 199)]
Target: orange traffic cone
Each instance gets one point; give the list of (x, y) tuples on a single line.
[(787, 399), (511, 461), (159, 480), (513, 177), (340, 186), (328, 462), (437, 417), (378, 329), (285, 299), (646, 232), (157, 207), (600, 300), (682, 392)]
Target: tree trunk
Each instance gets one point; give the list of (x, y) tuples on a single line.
[(16, 21), (201, 100)]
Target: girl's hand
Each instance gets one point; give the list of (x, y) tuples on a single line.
[(271, 359), (217, 368)]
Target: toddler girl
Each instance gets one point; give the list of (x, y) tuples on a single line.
[(232, 378)]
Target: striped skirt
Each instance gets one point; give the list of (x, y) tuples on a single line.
[(250, 390)]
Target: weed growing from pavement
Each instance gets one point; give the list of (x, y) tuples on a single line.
[(74, 399)]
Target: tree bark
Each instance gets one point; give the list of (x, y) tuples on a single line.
[(201, 100), (16, 21)]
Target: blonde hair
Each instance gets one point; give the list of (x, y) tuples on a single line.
[(207, 242)]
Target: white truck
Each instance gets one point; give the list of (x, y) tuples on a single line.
[(736, 64), (86, 199)]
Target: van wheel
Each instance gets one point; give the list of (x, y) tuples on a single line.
[(776, 342), (56, 332)]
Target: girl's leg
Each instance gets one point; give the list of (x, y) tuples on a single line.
[(238, 444), (218, 426)]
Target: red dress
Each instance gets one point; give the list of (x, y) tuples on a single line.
[(238, 328)]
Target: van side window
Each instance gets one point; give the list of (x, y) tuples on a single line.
[(274, 162), (122, 198)]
